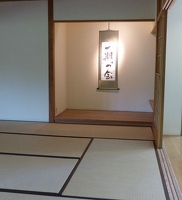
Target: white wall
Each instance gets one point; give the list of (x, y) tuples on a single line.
[(136, 67), (104, 9), (60, 67), (173, 84), (24, 61)]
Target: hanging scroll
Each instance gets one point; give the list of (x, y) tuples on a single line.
[(108, 60)]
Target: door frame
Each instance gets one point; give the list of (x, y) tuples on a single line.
[(159, 86)]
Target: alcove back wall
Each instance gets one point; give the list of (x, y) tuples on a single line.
[(136, 67)]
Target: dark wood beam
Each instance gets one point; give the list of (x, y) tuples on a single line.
[(51, 62)]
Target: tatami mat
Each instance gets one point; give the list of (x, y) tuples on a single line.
[(110, 169), (77, 130), (42, 145), (116, 169), (21, 127), (34, 173), (98, 131), (13, 196)]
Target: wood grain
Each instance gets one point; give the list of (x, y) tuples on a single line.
[(105, 117)]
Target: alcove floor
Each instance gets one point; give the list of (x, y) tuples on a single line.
[(102, 117)]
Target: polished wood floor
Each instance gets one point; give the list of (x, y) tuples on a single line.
[(105, 117), (173, 145)]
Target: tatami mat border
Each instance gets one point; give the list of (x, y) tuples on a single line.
[(74, 169), (41, 156), (79, 137), (51, 194), (47, 135), (48, 194)]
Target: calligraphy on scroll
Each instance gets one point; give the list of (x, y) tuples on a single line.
[(108, 61)]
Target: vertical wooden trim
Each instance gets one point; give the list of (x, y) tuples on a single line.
[(51, 62), (160, 71), (162, 86)]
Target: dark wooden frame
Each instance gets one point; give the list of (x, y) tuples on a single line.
[(160, 78), (51, 62)]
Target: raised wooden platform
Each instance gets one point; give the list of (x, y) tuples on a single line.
[(105, 117)]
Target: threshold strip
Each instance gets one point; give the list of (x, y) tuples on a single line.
[(162, 174), (171, 182)]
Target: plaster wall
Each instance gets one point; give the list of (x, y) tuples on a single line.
[(173, 83), (104, 10), (136, 67), (24, 61), (60, 67)]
